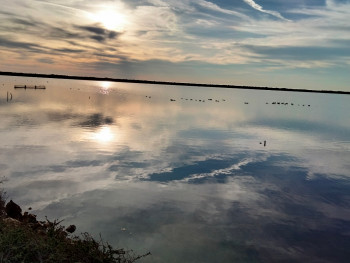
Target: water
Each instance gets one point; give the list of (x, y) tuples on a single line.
[(187, 180)]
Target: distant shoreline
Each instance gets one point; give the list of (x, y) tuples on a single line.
[(57, 76)]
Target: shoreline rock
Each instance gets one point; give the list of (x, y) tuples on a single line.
[(13, 216)]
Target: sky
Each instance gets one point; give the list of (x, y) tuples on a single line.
[(275, 43)]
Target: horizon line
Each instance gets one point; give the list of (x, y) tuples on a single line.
[(156, 82)]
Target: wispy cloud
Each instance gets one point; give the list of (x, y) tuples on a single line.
[(261, 9), (64, 6), (212, 33), (99, 34), (215, 7)]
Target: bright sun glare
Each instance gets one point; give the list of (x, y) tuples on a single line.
[(105, 84), (111, 19), (104, 135), (105, 87)]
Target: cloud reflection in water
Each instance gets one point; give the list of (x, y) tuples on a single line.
[(188, 181)]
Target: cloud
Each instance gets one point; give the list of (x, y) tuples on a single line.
[(80, 33), (55, 32), (68, 50), (25, 22), (99, 33), (306, 53), (261, 9), (12, 44), (67, 6), (46, 60), (219, 35), (215, 7)]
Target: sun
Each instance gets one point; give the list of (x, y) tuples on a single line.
[(110, 18)]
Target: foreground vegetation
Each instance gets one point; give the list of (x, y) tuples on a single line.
[(24, 239)]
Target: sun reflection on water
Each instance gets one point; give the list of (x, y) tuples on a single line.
[(103, 135), (105, 87)]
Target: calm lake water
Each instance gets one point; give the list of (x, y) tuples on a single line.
[(189, 180)]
